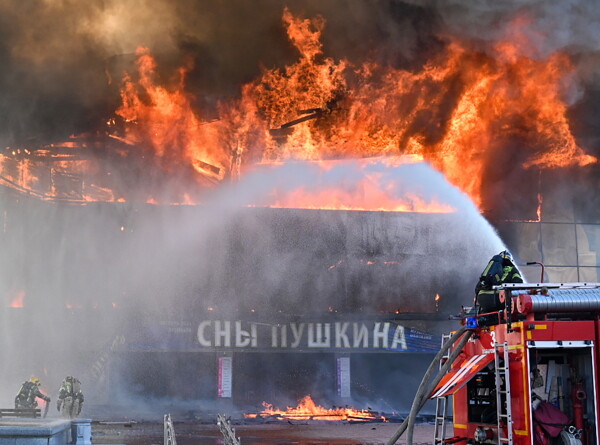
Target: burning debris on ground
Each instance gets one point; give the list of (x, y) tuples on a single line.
[(308, 410)]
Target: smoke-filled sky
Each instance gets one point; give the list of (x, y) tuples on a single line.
[(57, 56)]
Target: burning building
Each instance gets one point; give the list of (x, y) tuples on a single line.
[(279, 191), (162, 290)]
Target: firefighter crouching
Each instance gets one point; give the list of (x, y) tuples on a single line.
[(70, 397), (29, 392)]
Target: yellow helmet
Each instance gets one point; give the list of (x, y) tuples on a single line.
[(35, 380)]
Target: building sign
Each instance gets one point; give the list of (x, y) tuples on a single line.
[(337, 335), (317, 336), (224, 377)]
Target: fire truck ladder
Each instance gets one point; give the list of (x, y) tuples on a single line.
[(441, 404), (504, 415)]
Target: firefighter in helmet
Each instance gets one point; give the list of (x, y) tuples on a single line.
[(29, 392), (70, 397), (500, 269)]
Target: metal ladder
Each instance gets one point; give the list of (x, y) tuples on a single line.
[(503, 417), (169, 431), (441, 404), (227, 430)]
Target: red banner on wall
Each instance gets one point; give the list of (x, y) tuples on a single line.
[(225, 377)]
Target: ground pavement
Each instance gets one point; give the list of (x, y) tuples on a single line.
[(286, 433)]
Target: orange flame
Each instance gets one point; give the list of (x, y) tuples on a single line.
[(459, 112), (307, 409), (164, 122), (463, 112)]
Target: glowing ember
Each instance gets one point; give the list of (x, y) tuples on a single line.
[(307, 409)]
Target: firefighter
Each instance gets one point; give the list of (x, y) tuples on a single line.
[(29, 392), (70, 397), (500, 269)]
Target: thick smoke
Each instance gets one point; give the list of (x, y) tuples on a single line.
[(61, 44), (69, 56), (61, 54), (550, 26), (543, 28), (62, 63)]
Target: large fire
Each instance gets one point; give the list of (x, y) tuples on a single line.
[(307, 409), (459, 112)]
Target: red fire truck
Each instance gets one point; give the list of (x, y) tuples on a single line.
[(528, 373)]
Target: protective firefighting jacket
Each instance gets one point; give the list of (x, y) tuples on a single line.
[(29, 392), (488, 298), (70, 396)]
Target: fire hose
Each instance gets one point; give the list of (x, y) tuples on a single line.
[(578, 395), (427, 385)]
